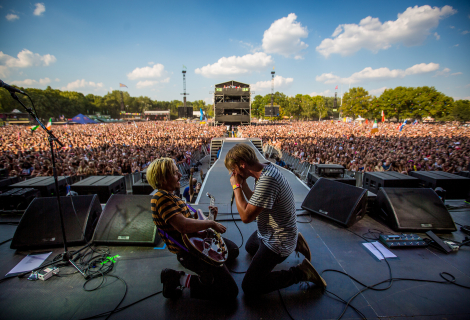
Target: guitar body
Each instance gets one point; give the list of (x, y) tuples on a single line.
[(206, 244)]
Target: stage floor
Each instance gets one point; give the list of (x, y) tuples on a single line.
[(333, 247)]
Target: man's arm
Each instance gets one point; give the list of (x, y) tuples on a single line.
[(247, 212), (246, 190), (186, 225), (191, 187)]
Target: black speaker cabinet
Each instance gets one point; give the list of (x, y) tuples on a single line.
[(6, 182), (373, 181), (103, 186), (45, 185), (40, 225), (17, 198), (337, 201), (457, 187), (312, 178), (127, 220), (413, 209), (141, 188), (465, 174)]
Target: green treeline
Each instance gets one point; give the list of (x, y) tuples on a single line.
[(54, 103), (398, 104)]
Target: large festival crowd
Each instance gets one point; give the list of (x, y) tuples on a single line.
[(120, 149)]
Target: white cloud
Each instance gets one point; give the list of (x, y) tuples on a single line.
[(151, 63), (437, 36), (40, 9), (444, 72), (283, 37), (82, 84), (11, 17), (157, 71), (280, 83), (209, 100), (456, 45), (149, 83), (411, 28), (456, 73), (26, 59), (31, 83), (452, 27), (369, 74), (325, 93), (465, 32), (57, 80), (377, 92), (227, 66)]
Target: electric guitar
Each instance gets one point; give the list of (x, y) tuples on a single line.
[(206, 244)]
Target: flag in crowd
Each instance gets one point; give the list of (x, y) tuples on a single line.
[(34, 127), (402, 126), (121, 85), (383, 116), (416, 121), (374, 128), (49, 124)]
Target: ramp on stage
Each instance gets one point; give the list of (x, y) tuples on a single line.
[(217, 181)]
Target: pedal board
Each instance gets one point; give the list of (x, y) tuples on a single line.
[(402, 241)]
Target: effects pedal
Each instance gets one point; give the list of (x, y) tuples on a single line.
[(47, 273), (402, 241)]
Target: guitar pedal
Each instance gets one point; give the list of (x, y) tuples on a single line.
[(402, 241)]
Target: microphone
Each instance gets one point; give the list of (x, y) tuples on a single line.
[(10, 88), (233, 196)]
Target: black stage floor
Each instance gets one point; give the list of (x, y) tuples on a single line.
[(333, 247)]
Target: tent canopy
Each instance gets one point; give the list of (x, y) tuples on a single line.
[(80, 118)]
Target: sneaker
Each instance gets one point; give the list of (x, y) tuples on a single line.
[(171, 283), (302, 247), (308, 273)]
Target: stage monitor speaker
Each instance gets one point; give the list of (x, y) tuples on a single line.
[(337, 201), (40, 225), (413, 209), (127, 220)]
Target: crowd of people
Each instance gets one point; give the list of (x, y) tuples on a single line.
[(428, 147), (120, 149), (105, 149)]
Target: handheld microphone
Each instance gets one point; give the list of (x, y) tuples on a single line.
[(10, 88), (233, 196)]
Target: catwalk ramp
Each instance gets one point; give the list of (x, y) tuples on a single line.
[(217, 181)]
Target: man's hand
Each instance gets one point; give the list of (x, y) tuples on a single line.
[(236, 179), (214, 211), (218, 227), (191, 170)]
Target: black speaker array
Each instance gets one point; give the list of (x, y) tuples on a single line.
[(271, 111), (185, 112)]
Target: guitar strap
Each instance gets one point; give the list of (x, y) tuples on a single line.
[(166, 235)]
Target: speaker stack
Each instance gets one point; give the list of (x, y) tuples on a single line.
[(103, 186), (40, 225), (373, 181), (45, 185), (336, 201), (329, 171), (457, 187)]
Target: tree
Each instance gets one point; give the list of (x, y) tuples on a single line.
[(461, 110), (356, 102)]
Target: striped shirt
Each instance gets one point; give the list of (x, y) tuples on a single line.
[(165, 206), (277, 223)]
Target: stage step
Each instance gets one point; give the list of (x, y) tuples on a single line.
[(215, 145)]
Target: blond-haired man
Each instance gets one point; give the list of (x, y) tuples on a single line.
[(272, 205), (173, 218)]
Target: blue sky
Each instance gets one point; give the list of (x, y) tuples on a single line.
[(92, 46)]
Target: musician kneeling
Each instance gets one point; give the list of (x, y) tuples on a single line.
[(272, 204), (174, 219)]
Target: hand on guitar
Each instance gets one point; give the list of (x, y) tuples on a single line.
[(218, 227)]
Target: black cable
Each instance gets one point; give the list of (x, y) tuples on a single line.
[(284, 305), (5, 241), (243, 240)]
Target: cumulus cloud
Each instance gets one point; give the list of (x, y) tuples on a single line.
[(456, 73), (40, 9), (437, 36), (31, 82), (325, 93), (154, 72), (150, 83), (26, 59), (377, 92), (151, 63), (280, 83), (12, 17), (411, 28), (369, 74), (226, 66), (444, 72), (283, 37), (82, 84), (57, 80), (465, 32)]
